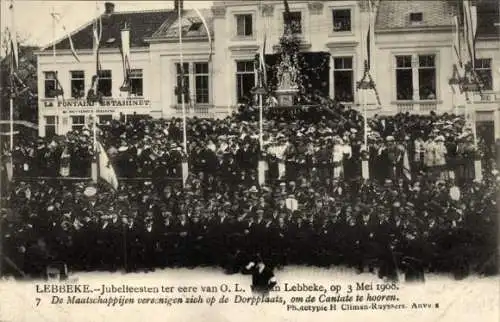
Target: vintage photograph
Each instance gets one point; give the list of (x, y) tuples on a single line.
[(250, 138)]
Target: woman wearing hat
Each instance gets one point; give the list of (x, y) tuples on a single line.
[(440, 153), (338, 156)]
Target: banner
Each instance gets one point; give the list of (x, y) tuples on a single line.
[(106, 171)]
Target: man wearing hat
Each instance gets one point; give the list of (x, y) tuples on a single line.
[(394, 158)]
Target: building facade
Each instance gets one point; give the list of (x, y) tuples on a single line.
[(412, 59)]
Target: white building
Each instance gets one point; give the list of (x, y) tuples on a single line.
[(408, 32)]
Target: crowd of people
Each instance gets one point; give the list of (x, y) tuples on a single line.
[(421, 209), (329, 140), (420, 225)]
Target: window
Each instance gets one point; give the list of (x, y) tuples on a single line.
[(404, 78), (77, 122), (416, 17), (201, 83), (105, 83), (245, 80), (195, 26), (184, 72), (295, 22), (136, 84), (105, 118), (343, 79), (341, 20), (483, 70), (77, 83), (244, 26), (50, 126), (416, 72), (50, 84), (427, 77)]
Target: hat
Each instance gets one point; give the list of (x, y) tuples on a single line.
[(253, 189), (90, 191), (439, 138), (390, 138)]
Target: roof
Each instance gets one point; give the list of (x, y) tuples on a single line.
[(192, 26), (396, 14), (488, 12), (142, 25)]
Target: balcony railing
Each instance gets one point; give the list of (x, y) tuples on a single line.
[(423, 107), (428, 107)]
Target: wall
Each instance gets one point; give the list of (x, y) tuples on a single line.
[(110, 60), (317, 35)]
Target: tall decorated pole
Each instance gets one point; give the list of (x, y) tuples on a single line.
[(260, 91), (470, 83), (14, 62), (365, 84), (97, 34), (185, 167)]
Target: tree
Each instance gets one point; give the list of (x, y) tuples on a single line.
[(24, 81)]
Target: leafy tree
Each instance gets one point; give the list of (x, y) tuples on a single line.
[(23, 84)]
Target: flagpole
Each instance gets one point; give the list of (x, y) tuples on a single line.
[(184, 135), (58, 121), (11, 100), (96, 103)]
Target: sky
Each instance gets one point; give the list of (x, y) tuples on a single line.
[(33, 20)]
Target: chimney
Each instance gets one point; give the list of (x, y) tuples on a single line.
[(177, 4), (109, 8)]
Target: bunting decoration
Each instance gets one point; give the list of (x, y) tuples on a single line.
[(57, 18)]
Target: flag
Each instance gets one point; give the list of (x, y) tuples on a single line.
[(125, 51), (263, 63), (457, 44), (262, 168), (96, 36), (57, 18), (59, 91), (406, 165), (204, 22), (370, 37), (185, 172), (65, 163), (106, 171), (14, 51), (470, 28), (8, 167), (291, 203)]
